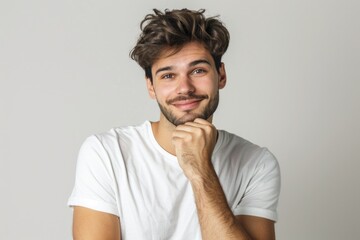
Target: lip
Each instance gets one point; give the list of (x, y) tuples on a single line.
[(186, 105)]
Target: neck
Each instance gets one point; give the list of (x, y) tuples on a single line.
[(163, 130)]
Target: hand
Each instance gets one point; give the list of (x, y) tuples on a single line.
[(194, 143)]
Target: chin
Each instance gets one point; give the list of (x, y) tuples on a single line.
[(190, 117)]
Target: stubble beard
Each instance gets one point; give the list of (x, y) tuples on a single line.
[(190, 116)]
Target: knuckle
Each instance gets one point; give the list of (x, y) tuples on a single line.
[(208, 128)]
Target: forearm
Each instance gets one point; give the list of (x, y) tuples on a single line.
[(216, 218)]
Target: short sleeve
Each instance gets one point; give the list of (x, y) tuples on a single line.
[(262, 193), (95, 185)]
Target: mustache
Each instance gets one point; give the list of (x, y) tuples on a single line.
[(190, 96)]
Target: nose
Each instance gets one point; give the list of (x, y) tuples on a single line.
[(185, 86)]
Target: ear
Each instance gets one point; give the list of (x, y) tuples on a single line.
[(222, 76), (150, 88)]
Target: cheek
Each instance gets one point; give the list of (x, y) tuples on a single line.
[(164, 91), (207, 86)]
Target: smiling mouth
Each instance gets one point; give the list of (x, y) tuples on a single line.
[(187, 102), (187, 105), (183, 98)]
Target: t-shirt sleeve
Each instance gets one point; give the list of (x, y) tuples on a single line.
[(95, 186), (262, 193)]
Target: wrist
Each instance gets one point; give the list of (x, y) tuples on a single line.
[(205, 179)]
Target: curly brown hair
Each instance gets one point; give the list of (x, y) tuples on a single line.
[(173, 29)]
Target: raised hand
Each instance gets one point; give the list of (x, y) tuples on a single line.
[(194, 143)]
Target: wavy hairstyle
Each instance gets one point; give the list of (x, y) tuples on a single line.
[(172, 30)]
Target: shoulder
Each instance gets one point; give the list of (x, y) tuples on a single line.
[(229, 142), (244, 150), (109, 144), (118, 134)]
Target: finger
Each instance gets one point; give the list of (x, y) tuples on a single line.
[(180, 134), (188, 127), (193, 124), (198, 122), (202, 124), (175, 140), (184, 132), (201, 121)]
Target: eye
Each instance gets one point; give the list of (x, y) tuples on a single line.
[(198, 71), (167, 76)]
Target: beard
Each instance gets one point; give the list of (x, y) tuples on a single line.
[(190, 116)]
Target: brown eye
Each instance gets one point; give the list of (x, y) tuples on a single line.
[(167, 76), (198, 71)]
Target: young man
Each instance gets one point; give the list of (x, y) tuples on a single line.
[(180, 177)]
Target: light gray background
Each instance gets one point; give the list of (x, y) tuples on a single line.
[(293, 86)]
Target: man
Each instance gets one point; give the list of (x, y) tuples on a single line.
[(180, 177)]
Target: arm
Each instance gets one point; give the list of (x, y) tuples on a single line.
[(216, 218), (94, 189), (89, 224), (257, 227), (194, 143)]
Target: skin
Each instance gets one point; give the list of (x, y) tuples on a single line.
[(186, 131), (89, 224)]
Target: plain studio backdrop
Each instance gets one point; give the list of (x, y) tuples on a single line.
[(293, 86)]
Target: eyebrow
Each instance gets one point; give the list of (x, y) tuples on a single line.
[(191, 64), (163, 69), (196, 62)]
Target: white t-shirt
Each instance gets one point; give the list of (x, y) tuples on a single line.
[(125, 172)]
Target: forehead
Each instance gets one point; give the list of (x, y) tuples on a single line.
[(188, 53)]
